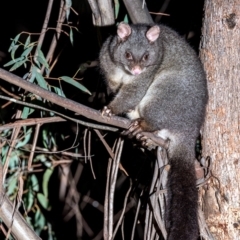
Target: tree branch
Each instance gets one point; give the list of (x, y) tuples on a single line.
[(64, 102), (74, 106), (103, 12), (138, 11)]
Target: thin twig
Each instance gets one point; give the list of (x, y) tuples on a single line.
[(136, 217), (114, 172), (123, 210), (11, 148), (61, 18), (35, 138), (44, 27)]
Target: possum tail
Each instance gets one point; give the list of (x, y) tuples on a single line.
[(182, 216)]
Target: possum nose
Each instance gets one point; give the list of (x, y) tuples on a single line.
[(136, 70)]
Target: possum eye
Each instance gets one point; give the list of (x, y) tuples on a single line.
[(145, 57), (128, 56)]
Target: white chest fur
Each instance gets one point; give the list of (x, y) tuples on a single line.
[(120, 76)]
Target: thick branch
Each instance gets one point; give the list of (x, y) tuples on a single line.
[(64, 102), (103, 12), (19, 227), (138, 11), (74, 106)]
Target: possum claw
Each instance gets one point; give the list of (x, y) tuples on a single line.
[(106, 112)]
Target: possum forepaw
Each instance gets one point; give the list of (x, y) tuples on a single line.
[(106, 112)]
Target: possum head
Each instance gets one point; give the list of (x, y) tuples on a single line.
[(137, 47)]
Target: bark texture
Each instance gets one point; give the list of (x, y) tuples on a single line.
[(220, 54)]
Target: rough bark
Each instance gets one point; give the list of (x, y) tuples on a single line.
[(220, 54)]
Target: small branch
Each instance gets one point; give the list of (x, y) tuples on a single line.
[(124, 209), (87, 124), (61, 18), (163, 9), (45, 24), (31, 121), (35, 138)]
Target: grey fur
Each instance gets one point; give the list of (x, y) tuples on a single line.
[(170, 95)]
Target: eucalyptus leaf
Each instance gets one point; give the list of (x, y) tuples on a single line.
[(116, 7), (43, 200), (14, 50), (13, 61), (14, 41), (12, 185), (39, 219), (34, 183), (46, 177), (59, 91), (40, 79), (27, 42), (71, 36), (25, 112), (67, 7), (41, 58), (17, 65), (25, 140), (29, 199), (75, 83), (27, 51), (43, 62)]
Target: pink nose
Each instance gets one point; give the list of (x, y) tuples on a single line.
[(136, 70)]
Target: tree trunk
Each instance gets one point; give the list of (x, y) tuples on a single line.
[(220, 54)]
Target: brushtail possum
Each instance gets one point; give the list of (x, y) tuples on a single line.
[(155, 76)]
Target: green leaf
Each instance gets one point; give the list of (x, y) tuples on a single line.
[(27, 51), (25, 139), (41, 81), (43, 200), (29, 199), (33, 75), (13, 61), (43, 62), (14, 161), (71, 36), (14, 41), (12, 185), (116, 7), (27, 42), (75, 83), (25, 112), (58, 91), (14, 50), (126, 19), (41, 58), (34, 183), (17, 65), (67, 7), (46, 177), (39, 219)]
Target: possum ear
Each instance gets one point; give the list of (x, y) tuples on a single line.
[(153, 33), (123, 31)]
